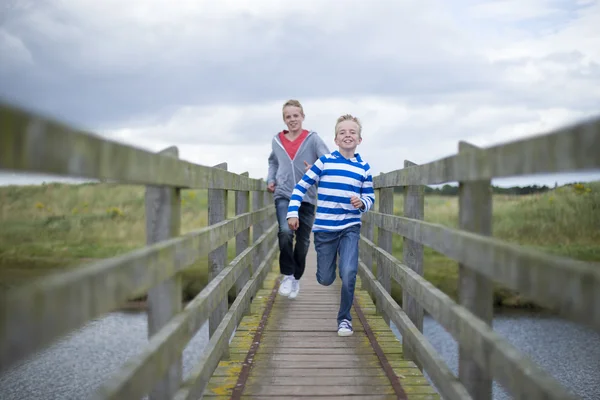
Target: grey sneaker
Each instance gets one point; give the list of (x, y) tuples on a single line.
[(345, 328)]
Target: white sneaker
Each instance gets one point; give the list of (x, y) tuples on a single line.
[(295, 289), (286, 285), (345, 328)]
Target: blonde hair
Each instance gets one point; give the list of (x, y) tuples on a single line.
[(293, 103), (348, 117)]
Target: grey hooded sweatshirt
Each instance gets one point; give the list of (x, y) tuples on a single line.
[(286, 172)]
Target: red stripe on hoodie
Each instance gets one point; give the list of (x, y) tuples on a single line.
[(291, 147)]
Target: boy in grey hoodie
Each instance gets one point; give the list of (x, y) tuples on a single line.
[(293, 152)]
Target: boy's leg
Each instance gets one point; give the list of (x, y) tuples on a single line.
[(326, 245), (348, 268), (306, 216), (286, 238), (286, 252)]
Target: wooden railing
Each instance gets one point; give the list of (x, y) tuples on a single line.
[(37, 314), (569, 287)]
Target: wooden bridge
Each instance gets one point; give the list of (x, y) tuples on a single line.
[(264, 346)]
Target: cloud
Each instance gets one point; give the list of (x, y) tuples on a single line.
[(516, 11), (210, 77), (151, 56), (20, 55)]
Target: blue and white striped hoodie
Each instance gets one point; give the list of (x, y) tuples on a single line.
[(338, 179)]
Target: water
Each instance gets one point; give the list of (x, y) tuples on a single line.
[(75, 366), (567, 351)]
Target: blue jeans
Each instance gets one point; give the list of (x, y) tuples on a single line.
[(292, 259), (328, 245)]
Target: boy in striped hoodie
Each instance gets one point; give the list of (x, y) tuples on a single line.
[(345, 191)]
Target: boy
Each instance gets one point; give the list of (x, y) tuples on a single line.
[(292, 151), (345, 191)]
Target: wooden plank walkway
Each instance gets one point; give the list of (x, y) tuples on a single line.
[(301, 356)]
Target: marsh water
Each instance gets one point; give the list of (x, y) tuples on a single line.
[(73, 367), (567, 351)]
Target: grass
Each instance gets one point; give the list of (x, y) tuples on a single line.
[(58, 226)]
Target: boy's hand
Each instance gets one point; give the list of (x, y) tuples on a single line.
[(307, 166), (271, 187), (356, 202), (293, 223)]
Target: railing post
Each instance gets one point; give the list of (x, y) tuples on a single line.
[(384, 240), (163, 221), (475, 291), (267, 199), (217, 259), (367, 232), (267, 222), (366, 255), (257, 231), (412, 256), (242, 206), (264, 225)]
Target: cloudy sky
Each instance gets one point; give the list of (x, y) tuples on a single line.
[(211, 76)]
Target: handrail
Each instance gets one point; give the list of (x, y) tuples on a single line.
[(42, 311), (31, 143), (194, 385), (537, 155), (135, 378), (412, 338), (567, 286), (36, 314), (513, 369), (562, 284)]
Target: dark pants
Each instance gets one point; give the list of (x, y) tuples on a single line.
[(345, 244), (292, 259)]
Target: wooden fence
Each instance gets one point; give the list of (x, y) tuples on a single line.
[(37, 314), (569, 287)]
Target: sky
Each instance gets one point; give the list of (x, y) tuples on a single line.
[(210, 77)]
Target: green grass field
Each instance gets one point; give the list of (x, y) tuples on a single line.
[(50, 227)]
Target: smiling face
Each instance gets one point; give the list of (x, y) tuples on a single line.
[(347, 136), (293, 118)]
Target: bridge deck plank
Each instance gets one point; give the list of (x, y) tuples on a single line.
[(301, 356)]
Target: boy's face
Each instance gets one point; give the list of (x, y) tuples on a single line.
[(293, 117), (347, 136)]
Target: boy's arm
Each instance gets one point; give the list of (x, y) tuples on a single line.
[(367, 194), (273, 166), (310, 178)]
